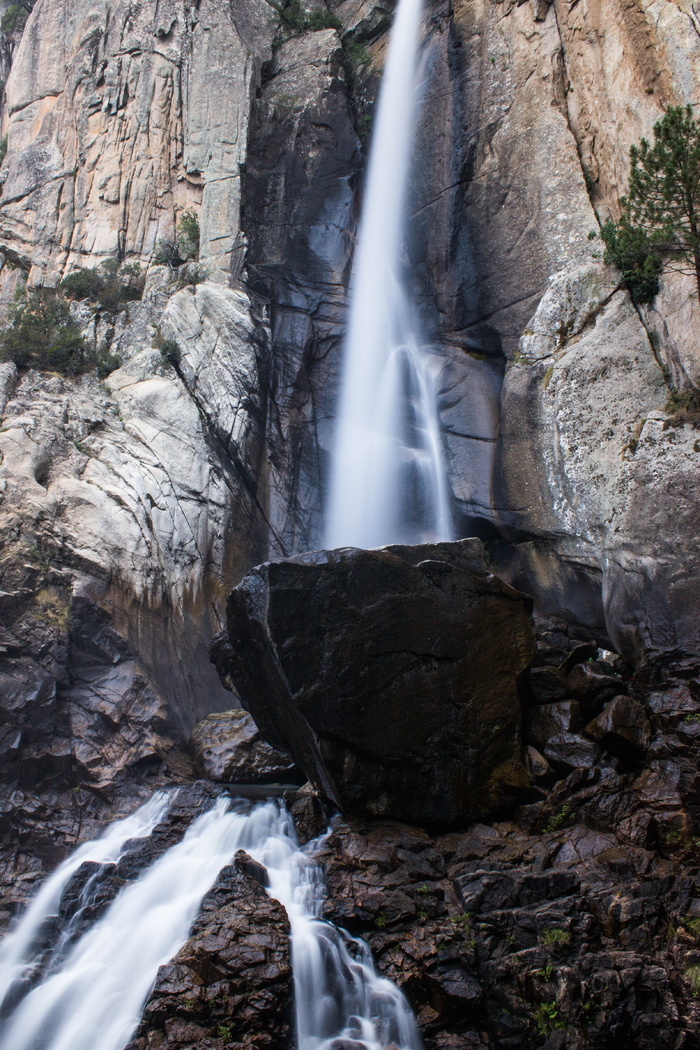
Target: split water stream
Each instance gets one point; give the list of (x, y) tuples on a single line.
[(94, 989), (87, 989), (388, 479)]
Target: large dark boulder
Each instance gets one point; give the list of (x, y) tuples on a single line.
[(392, 676)]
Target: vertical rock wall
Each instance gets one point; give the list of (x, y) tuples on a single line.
[(119, 117)]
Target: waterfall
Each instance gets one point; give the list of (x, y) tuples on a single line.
[(388, 481), (19, 947), (338, 993), (94, 997)]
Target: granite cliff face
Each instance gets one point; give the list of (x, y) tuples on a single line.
[(130, 507), (118, 119)]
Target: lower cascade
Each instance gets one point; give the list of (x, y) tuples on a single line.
[(92, 993)]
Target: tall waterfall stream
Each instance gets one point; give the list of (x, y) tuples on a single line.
[(388, 482), (93, 993), (87, 991)]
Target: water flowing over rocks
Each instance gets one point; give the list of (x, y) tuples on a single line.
[(130, 508), (392, 676), (231, 984)]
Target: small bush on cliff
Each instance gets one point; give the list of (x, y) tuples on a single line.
[(630, 249), (170, 352), (42, 334), (167, 253), (15, 17), (110, 288), (82, 284), (291, 19), (661, 212), (188, 236)]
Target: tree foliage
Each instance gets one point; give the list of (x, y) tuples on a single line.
[(42, 334), (111, 288), (661, 212), (15, 16), (292, 19), (628, 247), (188, 236)]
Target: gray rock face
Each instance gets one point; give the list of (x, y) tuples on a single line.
[(602, 477), (134, 116), (299, 213), (228, 748), (392, 676), (126, 510), (517, 159), (622, 727)]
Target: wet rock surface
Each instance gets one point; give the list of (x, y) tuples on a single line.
[(572, 925), (227, 747), (392, 676), (573, 922), (230, 985)]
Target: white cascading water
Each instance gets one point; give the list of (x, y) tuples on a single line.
[(338, 993), (94, 999), (388, 481), (17, 949)]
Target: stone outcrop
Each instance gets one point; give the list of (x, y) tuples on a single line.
[(227, 748), (230, 985), (392, 676), (612, 503), (126, 510), (567, 927), (118, 120)]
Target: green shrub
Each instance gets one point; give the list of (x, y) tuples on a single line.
[(188, 236), (630, 249), (547, 1019), (3, 148), (82, 284), (170, 352), (692, 976), (15, 17), (291, 19), (106, 288), (107, 362), (42, 334), (557, 819), (167, 253), (556, 938)]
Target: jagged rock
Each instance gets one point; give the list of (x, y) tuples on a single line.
[(117, 503), (508, 921), (550, 719), (303, 162), (571, 751), (537, 764), (621, 727), (590, 687), (547, 685), (227, 747), (309, 812), (390, 675), (231, 982), (172, 88), (579, 462)]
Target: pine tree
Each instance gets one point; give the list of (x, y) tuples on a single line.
[(661, 213)]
